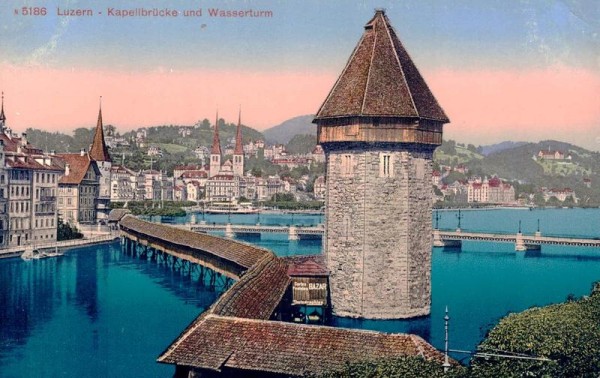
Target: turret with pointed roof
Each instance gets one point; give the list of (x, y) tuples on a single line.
[(238, 152), (2, 116), (379, 126), (98, 149), (380, 85), (215, 151)]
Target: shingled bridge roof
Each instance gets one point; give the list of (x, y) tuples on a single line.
[(241, 254), (287, 348), (236, 333)]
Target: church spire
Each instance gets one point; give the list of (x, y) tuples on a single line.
[(238, 152), (239, 147), (216, 146), (2, 116), (215, 152), (98, 150)]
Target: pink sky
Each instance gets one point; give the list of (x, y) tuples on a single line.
[(485, 106)]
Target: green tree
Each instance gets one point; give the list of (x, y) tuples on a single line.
[(65, 231), (301, 144), (538, 199), (569, 201), (567, 334)]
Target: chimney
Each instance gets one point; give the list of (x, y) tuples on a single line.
[(82, 152), (52, 152), (67, 169), (24, 139)]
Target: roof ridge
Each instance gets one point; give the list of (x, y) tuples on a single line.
[(388, 26), (362, 107), (362, 37), (417, 344)]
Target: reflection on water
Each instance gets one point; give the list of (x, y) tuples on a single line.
[(93, 312), (96, 312)]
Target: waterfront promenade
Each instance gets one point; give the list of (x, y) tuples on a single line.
[(88, 239)]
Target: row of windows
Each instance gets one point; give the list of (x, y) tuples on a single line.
[(49, 222), (45, 208), (386, 166), (20, 190), (19, 224), (61, 201), (19, 207), (44, 192), (20, 174), (47, 236), (45, 177)]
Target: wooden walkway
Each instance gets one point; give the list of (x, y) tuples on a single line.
[(227, 257)]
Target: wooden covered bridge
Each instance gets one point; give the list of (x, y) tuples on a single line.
[(242, 334)]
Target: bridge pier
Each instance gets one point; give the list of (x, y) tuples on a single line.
[(521, 245), (229, 231), (439, 242), (293, 233)]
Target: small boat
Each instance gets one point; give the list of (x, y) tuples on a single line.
[(35, 254)]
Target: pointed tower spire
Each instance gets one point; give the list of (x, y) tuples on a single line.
[(238, 152), (2, 116), (239, 147), (215, 152), (98, 150), (216, 146)]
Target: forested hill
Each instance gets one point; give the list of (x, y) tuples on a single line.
[(201, 134), (285, 131), (518, 164)]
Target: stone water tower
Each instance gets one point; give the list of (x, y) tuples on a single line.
[(379, 126)]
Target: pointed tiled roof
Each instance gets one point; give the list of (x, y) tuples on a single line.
[(98, 150), (216, 145), (78, 166), (381, 80), (2, 116), (239, 147)]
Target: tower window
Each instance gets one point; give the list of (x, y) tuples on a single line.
[(386, 166), (346, 165)]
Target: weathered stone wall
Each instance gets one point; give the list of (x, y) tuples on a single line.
[(378, 230)]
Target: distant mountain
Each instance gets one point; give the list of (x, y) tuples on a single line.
[(285, 131), (486, 150)]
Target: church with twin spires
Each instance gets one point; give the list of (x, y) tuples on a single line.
[(226, 178)]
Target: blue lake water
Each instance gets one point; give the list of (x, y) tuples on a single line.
[(96, 312)]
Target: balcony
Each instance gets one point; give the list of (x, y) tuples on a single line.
[(44, 213), (48, 198)]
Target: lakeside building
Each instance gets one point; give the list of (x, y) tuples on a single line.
[(157, 185), (560, 194), (78, 188), (99, 154), (493, 190), (126, 184), (28, 188)]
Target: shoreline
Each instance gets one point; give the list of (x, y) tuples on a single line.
[(61, 246)]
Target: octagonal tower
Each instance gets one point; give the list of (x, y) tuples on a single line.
[(379, 126)]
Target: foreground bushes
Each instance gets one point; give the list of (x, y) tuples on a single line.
[(568, 334)]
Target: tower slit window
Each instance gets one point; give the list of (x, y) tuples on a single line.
[(386, 168)]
